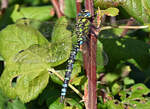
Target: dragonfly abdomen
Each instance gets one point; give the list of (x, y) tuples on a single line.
[(82, 30), (69, 70)]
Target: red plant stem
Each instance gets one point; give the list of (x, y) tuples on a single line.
[(57, 8), (78, 7), (92, 98), (85, 96), (4, 5), (89, 58), (130, 22), (89, 6), (61, 6), (91, 65)]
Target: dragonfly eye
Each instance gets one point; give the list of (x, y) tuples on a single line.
[(88, 14)]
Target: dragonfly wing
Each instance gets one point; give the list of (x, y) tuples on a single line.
[(105, 58), (46, 27), (101, 56), (52, 53), (121, 22), (57, 51)]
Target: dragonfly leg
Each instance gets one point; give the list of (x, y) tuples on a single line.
[(95, 35), (94, 30)]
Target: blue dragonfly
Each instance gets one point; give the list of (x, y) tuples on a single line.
[(60, 49)]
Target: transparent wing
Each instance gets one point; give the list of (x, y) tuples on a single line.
[(46, 27), (105, 58), (55, 52), (121, 22), (101, 56), (62, 37), (114, 30)]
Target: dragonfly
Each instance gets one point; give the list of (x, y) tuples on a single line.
[(83, 28), (82, 31)]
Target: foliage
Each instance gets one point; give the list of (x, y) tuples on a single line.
[(33, 55)]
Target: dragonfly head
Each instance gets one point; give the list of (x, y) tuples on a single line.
[(84, 14)]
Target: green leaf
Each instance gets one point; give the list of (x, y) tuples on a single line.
[(55, 79), (31, 79), (50, 93), (123, 69), (54, 53), (73, 104), (16, 104), (101, 57), (61, 42), (139, 9), (30, 85), (139, 105), (147, 6), (133, 61), (137, 96), (122, 95), (6, 80), (125, 51), (29, 67), (3, 100), (54, 103), (76, 70), (104, 4), (79, 80), (110, 77), (111, 11), (128, 81), (112, 105), (138, 91), (17, 37), (39, 13), (1, 59), (115, 88), (70, 8), (36, 55), (111, 33), (74, 74)]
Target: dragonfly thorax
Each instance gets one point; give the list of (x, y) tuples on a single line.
[(84, 14), (82, 27)]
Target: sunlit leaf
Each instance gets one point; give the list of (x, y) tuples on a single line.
[(40, 13), (111, 11), (70, 12), (18, 37)]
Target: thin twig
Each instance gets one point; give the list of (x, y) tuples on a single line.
[(129, 23), (61, 78), (4, 5), (85, 95), (123, 27), (57, 8), (61, 6), (78, 7)]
